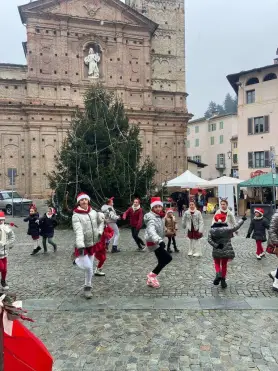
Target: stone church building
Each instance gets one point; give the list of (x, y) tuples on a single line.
[(136, 49)]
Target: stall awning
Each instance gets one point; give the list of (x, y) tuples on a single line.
[(260, 181)]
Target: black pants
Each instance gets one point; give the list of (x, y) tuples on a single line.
[(170, 239), (137, 239), (163, 258), (180, 212)]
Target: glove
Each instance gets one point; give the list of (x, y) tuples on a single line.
[(162, 244), (248, 235), (81, 252), (244, 218), (220, 246)]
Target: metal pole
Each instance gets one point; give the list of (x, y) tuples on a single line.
[(273, 192)]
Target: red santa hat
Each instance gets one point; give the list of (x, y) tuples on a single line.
[(156, 201), (259, 210), (53, 211), (2, 215), (220, 218), (82, 196)]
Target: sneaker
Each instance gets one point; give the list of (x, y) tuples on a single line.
[(259, 257), (152, 280), (55, 248), (197, 254), (4, 285), (36, 250), (169, 251), (190, 253), (217, 279), (115, 249), (272, 274), (88, 292), (98, 272), (176, 249), (140, 249), (223, 283), (275, 284), (262, 255)]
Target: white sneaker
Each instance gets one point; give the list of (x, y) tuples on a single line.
[(259, 257), (98, 272), (275, 284), (272, 274), (262, 255), (190, 252), (197, 255)]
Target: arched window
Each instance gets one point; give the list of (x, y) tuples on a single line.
[(270, 76), (252, 81)]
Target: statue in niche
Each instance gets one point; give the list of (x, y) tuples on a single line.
[(92, 60)]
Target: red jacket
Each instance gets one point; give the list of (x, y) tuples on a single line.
[(135, 217)]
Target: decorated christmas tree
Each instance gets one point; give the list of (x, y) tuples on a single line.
[(102, 155)]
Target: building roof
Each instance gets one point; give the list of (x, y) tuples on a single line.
[(212, 118), (234, 78), (5, 65), (38, 6), (198, 163)]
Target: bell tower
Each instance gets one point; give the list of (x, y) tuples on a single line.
[(168, 43)]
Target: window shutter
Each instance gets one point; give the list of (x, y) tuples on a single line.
[(250, 126), (250, 160), (218, 160), (266, 124), (266, 159)]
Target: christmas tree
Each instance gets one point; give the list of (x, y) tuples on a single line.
[(102, 155)]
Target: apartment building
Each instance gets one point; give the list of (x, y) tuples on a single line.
[(257, 91), (213, 142)]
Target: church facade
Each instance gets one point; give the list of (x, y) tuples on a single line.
[(135, 49)]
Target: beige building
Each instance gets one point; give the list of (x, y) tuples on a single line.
[(257, 91), (138, 51), (209, 142)]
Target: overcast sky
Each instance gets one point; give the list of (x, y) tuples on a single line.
[(222, 37)]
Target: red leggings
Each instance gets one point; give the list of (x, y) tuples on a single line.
[(101, 257), (3, 268), (260, 248), (221, 266)]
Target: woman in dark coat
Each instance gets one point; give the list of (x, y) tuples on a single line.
[(258, 227), (47, 225), (219, 238), (33, 228)]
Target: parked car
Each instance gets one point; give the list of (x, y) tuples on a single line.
[(9, 197)]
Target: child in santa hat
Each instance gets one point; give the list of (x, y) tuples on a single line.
[(154, 235), (47, 225), (193, 224), (219, 238), (135, 216), (7, 239), (34, 228), (111, 219), (258, 227), (88, 226)]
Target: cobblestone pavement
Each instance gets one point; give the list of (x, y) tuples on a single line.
[(128, 326)]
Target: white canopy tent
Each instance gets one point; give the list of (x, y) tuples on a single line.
[(222, 181), (185, 180)]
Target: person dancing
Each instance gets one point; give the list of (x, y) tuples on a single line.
[(135, 216), (111, 219)]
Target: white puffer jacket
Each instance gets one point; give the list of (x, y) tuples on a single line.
[(110, 214), (7, 239), (196, 219), (88, 227), (155, 230)]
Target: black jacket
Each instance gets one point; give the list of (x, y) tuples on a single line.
[(47, 226), (33, 227), (258, 229)]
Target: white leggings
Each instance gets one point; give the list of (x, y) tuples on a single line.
[(116, 233), (86, 263)]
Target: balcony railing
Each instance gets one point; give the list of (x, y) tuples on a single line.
[(220, 166)]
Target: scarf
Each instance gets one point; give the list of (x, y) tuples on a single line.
[(161, 214), (258, 217), (135, 208), (3, 240), (192, 211), (79, 210)]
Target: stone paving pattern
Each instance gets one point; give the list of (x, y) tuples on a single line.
[(128, 326)]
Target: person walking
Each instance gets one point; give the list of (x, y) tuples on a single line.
[(257, 229), (47, 225), (193, 224), (88, 226), (33, 228), (200, 200), (219, 238), (111, 219), (154, 236), (180, 204), (7, 239), (272, 247), (171, 230), (135, 216)]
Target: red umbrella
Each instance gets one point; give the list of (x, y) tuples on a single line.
[(23, 351)]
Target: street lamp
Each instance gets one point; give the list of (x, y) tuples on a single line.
[(230, 158)]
